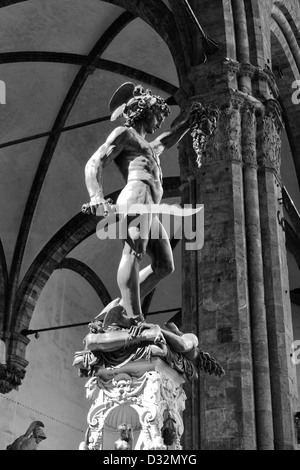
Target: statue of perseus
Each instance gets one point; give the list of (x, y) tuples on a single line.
[(138, 161), (121, 324), (120, 342)]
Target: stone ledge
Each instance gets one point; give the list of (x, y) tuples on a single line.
[(138, 368)]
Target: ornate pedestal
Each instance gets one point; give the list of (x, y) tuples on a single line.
[(138, 406), (136, 376)]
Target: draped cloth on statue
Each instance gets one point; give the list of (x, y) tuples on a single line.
[(116, 340), (88, 361)]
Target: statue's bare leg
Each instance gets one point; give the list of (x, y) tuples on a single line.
[(161, 255), (133, 253), (135, 285)]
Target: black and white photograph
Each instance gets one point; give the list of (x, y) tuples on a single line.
[(150, 227)]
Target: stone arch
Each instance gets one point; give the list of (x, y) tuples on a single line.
[(64, 241), (89, 275), (280, 18), (157, 15), (7, 3), (293, 20), (161, 19), (77, 59), (287, 71), (3, 285), (49, 150)]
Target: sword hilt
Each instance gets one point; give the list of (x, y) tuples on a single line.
[(86, 208)]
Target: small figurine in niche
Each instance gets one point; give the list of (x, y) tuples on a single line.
[(125, 442)]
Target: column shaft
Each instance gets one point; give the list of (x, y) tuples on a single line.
[(276, 283), (261, 372)]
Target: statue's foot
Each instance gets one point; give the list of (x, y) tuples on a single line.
[(115, 313), (138, 319), (117, 316), (108, 307)]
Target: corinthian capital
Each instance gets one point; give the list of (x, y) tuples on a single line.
[(270, 125)]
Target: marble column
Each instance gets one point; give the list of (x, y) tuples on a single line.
[(258, 322), (235, 290), (215, 289), (276, 282)]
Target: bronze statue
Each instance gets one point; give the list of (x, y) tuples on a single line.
[(120, 341), (31, 439), (138, 161), (120, 333)]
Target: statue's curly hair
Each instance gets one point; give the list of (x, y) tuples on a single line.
[(141, 103)]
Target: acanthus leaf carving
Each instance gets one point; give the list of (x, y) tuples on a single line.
[(269, 140)]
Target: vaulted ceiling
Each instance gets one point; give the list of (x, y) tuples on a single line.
[(61, 61)]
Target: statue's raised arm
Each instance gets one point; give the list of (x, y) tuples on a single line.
[(107, 152)]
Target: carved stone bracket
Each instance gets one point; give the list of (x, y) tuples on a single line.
[(266, 78), (273, 109), (225, 144), (205, 81), (247, 69), (269, 140), (271, 79), (11, 377), (249, 133), (231, 65), (13, 363), (149, 404)]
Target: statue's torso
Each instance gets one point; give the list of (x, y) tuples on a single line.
[(138, 163)]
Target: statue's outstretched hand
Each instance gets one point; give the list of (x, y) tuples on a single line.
[(97, 206), (149, 331), (136, 330)]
